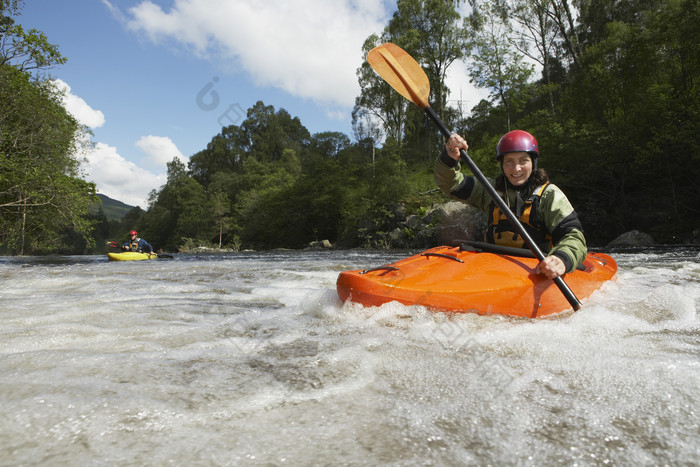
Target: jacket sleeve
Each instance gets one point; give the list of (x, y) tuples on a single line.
[(458, 186), (146, 246), (563, 224), (449, 178)]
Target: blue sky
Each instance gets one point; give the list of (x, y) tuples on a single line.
[(157, 79)]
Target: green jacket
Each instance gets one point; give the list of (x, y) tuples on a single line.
[(555, 211)]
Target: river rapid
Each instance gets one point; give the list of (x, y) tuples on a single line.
[(251, 359)]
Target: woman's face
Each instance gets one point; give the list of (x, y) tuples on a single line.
[(517, 166)]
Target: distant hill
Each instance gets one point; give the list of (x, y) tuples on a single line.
[(114, 210)]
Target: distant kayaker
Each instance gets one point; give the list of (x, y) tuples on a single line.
[(542, 208), (137, 244)]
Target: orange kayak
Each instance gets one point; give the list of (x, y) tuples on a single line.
[(470, 279)]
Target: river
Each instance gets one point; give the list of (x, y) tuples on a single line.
[(251, 359)]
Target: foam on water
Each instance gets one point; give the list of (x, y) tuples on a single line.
[(252, 359)]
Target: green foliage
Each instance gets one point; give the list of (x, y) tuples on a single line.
[(24, 50), (429, 30), (43, 201), (497, 65), (379, 112), (615, 112), (633, 114), (617, 131)]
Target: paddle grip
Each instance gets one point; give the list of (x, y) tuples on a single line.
[(573, 300)]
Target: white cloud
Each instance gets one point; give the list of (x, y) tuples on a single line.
[(80, 109), (113, 175), (160, 150), (308, 48), (463, 93), (118, 178)]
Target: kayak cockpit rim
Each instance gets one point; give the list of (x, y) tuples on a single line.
[(469, 245)]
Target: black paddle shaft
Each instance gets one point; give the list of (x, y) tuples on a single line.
[(575, 303)]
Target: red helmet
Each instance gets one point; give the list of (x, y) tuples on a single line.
[(133, 232), (516, 141)]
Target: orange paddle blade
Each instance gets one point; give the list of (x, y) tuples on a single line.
[(401, 71)]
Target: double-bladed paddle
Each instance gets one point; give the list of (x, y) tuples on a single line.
[(406, 76)]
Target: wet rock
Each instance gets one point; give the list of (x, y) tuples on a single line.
[(458, 223), (321, 244), (413, 221), (396, 235), (399, 211), (434, 215), (449, 223), (632, 239)]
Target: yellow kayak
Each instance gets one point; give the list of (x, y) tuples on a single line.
[(130, 256)]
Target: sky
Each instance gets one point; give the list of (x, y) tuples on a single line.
[(158, 79)]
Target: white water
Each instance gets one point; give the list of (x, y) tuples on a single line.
[(251, 359)]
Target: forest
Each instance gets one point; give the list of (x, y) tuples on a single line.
[(608, 87)]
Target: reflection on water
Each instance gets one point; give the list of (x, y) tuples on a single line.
[(247, 359)]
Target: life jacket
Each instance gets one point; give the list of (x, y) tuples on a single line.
[(501, 232), (135, 245)]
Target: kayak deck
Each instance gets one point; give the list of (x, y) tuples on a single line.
[(454, 279), (130, 256)]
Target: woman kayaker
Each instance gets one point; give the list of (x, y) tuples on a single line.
[(542, 208), (137, 244)]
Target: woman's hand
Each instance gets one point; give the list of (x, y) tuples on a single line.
[(454, 144), (551, 267)]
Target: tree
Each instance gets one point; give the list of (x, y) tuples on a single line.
[(221, 206), (634, 101), (269, 133), (430, 30), (224, 153), (494, 63), (535, 37), (41, 192), (24, 50), (195, 219), (174, 208), (561, 12), (378, 105), (43, 199), (366, 130), (329, 143)]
